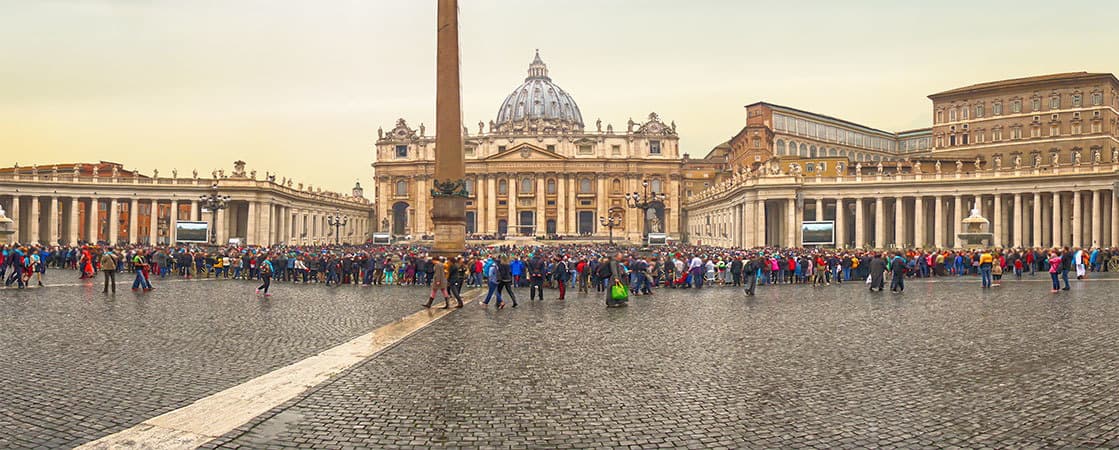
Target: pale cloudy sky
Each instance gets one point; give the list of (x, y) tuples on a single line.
[(300, 87)]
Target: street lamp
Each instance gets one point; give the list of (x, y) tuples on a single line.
[(645, 200), (610, 222), (337, 220), (214, 203)]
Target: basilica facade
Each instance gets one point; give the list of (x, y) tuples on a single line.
[(537, 169)]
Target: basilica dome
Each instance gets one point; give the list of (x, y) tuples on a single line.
[(539, 104)]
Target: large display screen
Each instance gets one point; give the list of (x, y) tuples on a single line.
[(192, 232), (818, 233)]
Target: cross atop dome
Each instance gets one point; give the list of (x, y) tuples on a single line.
[(537, 69)]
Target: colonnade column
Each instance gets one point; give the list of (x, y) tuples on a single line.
[(52, 220), (919, 221), (860, 223), (491, 204), (133, 219), (250, 225), (93, 220), (819, 209), (749, 233), (74, 226), (1097, 220), (1058, 236), (998, 218), (957, 216), (561, 204), (1114, 213), (114, 216), (153, 223), (791, 223), (1077, 220), (840, 224), (193, 210), (514, 229), (480, 202), (899, 222), (603, 198), (541, 213), (173, 221), (938, 222), (33, 220), (880, 222), (761, 222), (1036, 232), (1019, 221)]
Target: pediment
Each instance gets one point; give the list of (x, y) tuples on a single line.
[(525, 152)]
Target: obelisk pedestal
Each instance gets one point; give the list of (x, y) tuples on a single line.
[(448, 211)]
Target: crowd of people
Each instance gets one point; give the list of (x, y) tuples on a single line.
[(585, 267)]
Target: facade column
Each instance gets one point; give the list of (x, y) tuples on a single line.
[(480, 204), (491, 204), (93, 220), (114, 218), (1036, 229), (1077, 219), (33, 220), (749, 235), (860, 223), (561, 205), (173, 220), (1058, 236), (193, 210), (265, 221), (840, 224), (997, 218), (541, 214), (880, 222), (819, 209), (423, 191), (900, 227), (603, 199), (514, 229), (1114, 214), (1097, 220), (73, 225), (957, 216), (920, 221), (938, 222), (13, 213), (1019, 220), (250, 226)]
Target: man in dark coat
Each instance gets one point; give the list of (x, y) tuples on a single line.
[(749, 274), (617, 275), (877, 267), (736, 271)]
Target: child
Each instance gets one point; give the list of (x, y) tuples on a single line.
[(996, 273)]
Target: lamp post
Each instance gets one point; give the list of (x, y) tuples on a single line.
[(610, 222), (644, 200), (337, 220), (214, 203)]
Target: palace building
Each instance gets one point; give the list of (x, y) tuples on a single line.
[(1037, 156), (537, 169)]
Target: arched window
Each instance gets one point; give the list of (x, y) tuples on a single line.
[(502, 187), (616, 186), (780, 147), (401, 188), (655, 185), (812, 151), (585, 186), (803, 150), (551, 186), (792, 148), (526, 186)]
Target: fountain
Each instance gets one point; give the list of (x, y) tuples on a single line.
[(977, 231), (7, 229)]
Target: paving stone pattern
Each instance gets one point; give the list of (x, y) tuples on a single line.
[(943, 365), (77, 365)]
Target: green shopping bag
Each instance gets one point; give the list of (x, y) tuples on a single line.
[(619, 292)]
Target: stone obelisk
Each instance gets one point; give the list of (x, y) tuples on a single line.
[(448, 210)]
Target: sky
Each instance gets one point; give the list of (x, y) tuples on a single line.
[(299, 88)]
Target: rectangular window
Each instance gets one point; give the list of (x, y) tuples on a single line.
[(1016, 133), (1036, 104), (1055, 103), (978, 111), (996, 109), (654, 147), (401, 151), (469, 151), (501, 149), (1077, 101), (502, 202), (1035, 131), (779, 122), (585, 149), (615, 149), (1054, 130), (1076, 128), (551, 148), (952, 115), (996, 135), (1097, 98), (1016, 106), (1097, 127)]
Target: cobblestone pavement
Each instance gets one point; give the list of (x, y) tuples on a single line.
[(943, 365), (77, 365)]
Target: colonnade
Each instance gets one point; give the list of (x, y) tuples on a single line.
[(1075, 210)]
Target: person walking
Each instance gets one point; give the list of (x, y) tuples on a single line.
[(108, 265), (265, 269), (140, 264), (455, 278), (438, 283), (877, 267), (1055, 262), (505, 282), (618, 276), (985, 262), (897, 268), (750, 274), (561, 274), (536, 270)]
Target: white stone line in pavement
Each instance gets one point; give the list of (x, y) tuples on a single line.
[(211, 417)]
